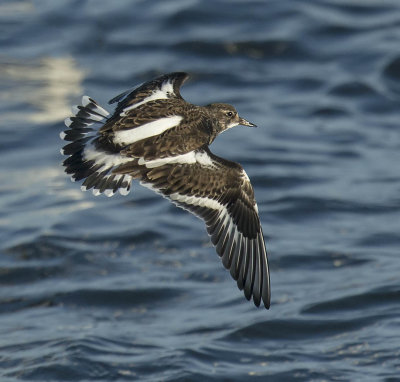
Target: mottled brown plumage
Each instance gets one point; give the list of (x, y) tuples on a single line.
[(159, 139)]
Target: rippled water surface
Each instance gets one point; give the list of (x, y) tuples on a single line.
[(129, 288)]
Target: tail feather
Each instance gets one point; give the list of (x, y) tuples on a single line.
[(86, 160), (75, 134), (94, 107)]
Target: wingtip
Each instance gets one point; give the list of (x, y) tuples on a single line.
[(267, 301), (179, 78), (183, 76)]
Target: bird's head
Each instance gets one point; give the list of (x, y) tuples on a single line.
[(227, 116)]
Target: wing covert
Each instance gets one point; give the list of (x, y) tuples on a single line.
[(219, 192), (164, 87)]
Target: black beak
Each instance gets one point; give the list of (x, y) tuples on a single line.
[(243, 122)]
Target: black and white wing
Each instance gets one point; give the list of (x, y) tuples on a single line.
[(165, 87), (148, 140), (96, 140), (219, 192)]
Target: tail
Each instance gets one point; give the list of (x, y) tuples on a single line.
[(87, 159)]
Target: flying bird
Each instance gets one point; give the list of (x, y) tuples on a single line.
[(156, 137)]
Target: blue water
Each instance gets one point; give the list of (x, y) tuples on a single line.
[(129, 288)]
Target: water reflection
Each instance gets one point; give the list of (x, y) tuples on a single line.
[(44, 87), (14, 9)]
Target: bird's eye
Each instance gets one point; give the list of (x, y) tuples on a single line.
[(229, 114)]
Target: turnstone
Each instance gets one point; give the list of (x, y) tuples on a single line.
[(161, 140)]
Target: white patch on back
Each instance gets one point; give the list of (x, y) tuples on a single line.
[(126, 137)]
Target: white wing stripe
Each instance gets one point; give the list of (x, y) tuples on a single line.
[(126, 137), (158, 94), (189, 158), (199, 201), (166, 90)]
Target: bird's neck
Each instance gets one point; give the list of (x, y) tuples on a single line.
[(216, 129)]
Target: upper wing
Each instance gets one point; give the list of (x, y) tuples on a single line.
[(219, 192), (148, 110), (163, 87)]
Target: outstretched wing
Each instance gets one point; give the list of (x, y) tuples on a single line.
[(166, 86), (219, 192), (146, 139)]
